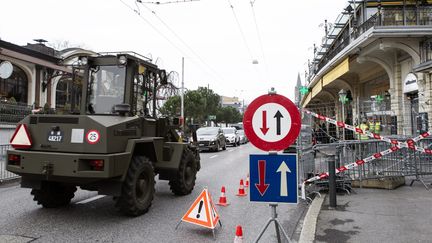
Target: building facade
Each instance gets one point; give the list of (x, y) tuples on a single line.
[(232, 102), (31, 77), (378, 55)]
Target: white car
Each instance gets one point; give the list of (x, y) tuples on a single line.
[(231, 135), (243, 138)]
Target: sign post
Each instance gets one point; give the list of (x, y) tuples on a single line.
[(272, 123)]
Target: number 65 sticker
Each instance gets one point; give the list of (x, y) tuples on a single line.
[(92, 136)]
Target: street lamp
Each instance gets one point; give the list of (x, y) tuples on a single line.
[(343, 99)]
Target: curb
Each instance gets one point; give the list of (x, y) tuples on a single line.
[(307, 234), (4, 183)]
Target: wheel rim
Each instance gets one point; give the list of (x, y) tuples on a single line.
[(142, 187)]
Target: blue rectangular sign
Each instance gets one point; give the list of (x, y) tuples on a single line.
[(273, 178)]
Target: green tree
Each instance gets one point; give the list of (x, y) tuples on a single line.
[(228, 115), (198, 104), (194, 106), (171, 107)]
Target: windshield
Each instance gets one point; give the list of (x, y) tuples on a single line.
[(107, 85), (207, 131), (228, 130)]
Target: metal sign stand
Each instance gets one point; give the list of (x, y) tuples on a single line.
[(274, 219), (277, 225)]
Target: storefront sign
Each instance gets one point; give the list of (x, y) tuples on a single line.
[(410, 83)]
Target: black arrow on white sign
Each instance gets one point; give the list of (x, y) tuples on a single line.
[(278, 117)]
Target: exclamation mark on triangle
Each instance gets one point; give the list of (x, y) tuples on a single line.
[(199, 209)]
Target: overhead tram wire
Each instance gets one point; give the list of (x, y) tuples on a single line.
[(241, 30), (182, 41), (154, 28), (168, 2), (259, 36)]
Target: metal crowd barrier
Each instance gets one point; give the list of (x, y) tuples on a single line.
[(404, 162), (4, 174)]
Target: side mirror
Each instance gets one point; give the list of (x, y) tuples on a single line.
[(163, 77), (176, 121), (122, 109)]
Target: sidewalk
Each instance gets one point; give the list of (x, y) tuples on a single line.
[(376, 215)]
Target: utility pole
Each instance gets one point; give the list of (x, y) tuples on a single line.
[(182, 98)]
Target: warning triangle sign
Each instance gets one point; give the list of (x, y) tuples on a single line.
[(202, 212), (21, 137)]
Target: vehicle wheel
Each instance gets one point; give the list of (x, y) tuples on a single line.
[(217, 147), (138, 188), (224, 147), (235, 144), (238, 143), (53, 195), (184, 181)]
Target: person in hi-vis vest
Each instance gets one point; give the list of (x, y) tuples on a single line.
[(377, 123), (364, 127), (371, 125)]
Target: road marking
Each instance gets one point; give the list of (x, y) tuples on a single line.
[(214, 156), (90, 199), (231, 150)]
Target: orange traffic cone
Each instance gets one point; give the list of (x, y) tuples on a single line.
[(241, 191), (239, 235), (222, 198), (247, 181)]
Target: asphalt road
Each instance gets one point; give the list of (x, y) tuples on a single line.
[(93, 218)]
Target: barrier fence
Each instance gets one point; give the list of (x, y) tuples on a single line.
[(4, 174), (377, 157), (403, 162)]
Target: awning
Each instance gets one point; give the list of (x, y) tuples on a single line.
[(307, 100), (317, 88), (336, 72)]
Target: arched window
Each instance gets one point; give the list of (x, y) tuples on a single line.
[(14, 89)]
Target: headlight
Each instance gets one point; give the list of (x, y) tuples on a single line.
[(83, 60), (122, 60)]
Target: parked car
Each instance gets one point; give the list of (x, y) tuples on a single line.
[(211, 138), (243, 138), (232, 136)]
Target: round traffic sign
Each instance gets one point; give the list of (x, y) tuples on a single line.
[(92, 136), (272, 122)]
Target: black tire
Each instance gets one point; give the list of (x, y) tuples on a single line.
[(224, 147), (138, 188), (53, 195), (184, 182), (217, 147)]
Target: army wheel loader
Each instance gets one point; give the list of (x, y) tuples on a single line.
[(111, 142)]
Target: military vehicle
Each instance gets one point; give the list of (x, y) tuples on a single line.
[(112, 142)]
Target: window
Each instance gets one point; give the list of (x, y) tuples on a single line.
[(68, 92), (14, 89), (107, 86)]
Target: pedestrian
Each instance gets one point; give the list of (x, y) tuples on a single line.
[(371, 125), (364, 127), (377, 123)]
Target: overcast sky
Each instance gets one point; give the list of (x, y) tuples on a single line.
[(217, 52)]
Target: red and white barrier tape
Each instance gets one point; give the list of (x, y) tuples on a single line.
[(408, 144)]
